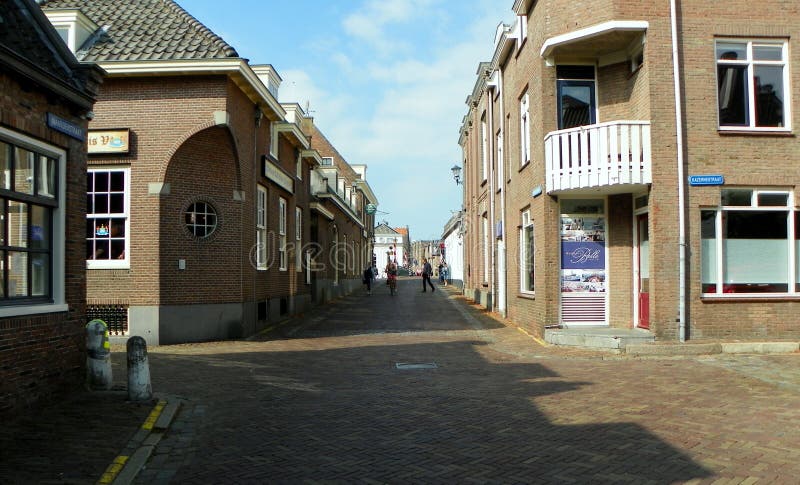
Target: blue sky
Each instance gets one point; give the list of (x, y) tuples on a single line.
[(386, 82)]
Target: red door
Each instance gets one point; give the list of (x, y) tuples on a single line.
[(643, 266)]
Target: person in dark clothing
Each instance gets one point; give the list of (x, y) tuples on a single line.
[(427, 271), (369, 275)]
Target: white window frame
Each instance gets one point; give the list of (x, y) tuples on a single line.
[(524, 130), (282, 234), (500, 160), (58, 271), (484, 148), (299, 167), (298, 238), (273, 139), (261, 228), (485, 249), (792, 271), (751, 63), (327, 162), (115, 263), (524, 245)]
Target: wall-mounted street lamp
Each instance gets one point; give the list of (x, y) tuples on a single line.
[(456, 174)]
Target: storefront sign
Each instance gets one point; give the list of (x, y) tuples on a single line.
[(274, 173), (582, 255), (371, 208), (695, 180), (109, 141), (66, 127)]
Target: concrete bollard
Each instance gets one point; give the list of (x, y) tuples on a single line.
[(98, 356), (139, 387)]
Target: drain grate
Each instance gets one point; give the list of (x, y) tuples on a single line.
[(415, 365)]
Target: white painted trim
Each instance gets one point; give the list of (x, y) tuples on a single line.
[(590, 32), (316, 206), (231, 66), (292, 129)]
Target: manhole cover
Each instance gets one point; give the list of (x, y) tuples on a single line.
[(412, 366)]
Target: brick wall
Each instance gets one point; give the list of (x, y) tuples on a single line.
[(42, 356)]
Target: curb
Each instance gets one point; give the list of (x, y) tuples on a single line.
[(637, 350), (125, 467)]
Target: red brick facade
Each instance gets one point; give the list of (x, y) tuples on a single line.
[(746, 158)]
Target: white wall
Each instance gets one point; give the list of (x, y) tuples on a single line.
[(454, 255)]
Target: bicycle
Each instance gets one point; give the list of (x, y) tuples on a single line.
[(392, 282)]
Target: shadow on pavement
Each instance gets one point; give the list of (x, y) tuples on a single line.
[(321, 409)]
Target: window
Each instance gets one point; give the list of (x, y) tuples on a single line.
[(752, 80), (299, 167), (261, 229), (500, 161), (484, 148), (31, 225), (273, 139), (107, 218), (526, 253), (523, 29), (298, 237), (485, 248), (750, 243), (524, 130), (327, 161), (575, 87), (282, 233), (200, 219)]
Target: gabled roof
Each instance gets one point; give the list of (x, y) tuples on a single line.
[(137, 30), (31, 47), (384, 229)]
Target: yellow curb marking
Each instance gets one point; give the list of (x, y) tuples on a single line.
[(151, 420), (113, 470), (534, 337)]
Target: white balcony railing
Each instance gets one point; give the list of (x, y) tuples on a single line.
[(606, 154)]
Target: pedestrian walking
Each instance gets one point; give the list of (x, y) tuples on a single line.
[(445, 273), (427, 270), (441, 274), (368, 276)]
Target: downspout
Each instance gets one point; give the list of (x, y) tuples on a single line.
[(681, 196), (503, 191), (491, 153)]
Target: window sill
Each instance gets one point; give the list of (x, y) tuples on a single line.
[(108, 264), (526, 296), (762, 132), (483, 183), (33, 309), (524, 166)]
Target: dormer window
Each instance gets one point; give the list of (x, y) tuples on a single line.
[(73, 26)]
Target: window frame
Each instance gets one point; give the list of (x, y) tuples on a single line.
[(261, 227), (750, 64), (298, 237), (56, 300), (792, 238), (525, 129), (282, 260), (524, 247), (123, 263), (484, 148)]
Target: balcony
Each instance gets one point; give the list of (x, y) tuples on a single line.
[(605, 158)]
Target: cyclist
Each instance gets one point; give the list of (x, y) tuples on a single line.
[(391, 276)]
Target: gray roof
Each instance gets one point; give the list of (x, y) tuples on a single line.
[(144, 30), (384, 229)]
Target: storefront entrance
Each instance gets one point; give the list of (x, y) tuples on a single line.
[(642, 271), (583, 262)]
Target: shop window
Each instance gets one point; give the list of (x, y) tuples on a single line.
[(749, 242)]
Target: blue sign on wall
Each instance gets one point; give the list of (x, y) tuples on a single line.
[(583, 255), (706, 180), (66, 127)]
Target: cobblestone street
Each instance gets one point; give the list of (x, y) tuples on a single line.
[(328, 398)]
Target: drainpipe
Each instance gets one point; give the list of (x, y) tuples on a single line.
[(681, 182), (490, 89), (503, 192)]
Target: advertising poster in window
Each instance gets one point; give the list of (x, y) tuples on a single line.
[(583, 254)]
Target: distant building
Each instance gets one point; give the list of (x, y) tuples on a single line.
[(388, 247), (452, 248)]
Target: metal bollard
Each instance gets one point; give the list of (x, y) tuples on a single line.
[(98, 356), (139, 387)]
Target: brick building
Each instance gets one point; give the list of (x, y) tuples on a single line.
[(607, 186), (199, 179), (45, 100)]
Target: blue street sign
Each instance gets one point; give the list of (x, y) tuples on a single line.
[(706, 180)]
